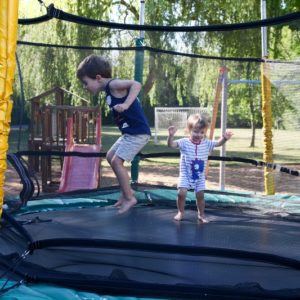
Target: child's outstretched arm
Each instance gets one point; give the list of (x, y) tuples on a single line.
[(120, 88), (172, 130), (227, 136)]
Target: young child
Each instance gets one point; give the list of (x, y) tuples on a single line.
[(194, 152), (95, 73)]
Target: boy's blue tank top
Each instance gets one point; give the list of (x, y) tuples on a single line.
[(132, 120)]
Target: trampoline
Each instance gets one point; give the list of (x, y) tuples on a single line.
[(79, 241), (75, 245)]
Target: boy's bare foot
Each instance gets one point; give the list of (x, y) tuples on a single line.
[(127, 204), (202, 219), (120, 201), (179, 216)]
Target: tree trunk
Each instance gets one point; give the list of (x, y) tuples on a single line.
[(253, 127), (151, 76), (252, 110), (252, 119)]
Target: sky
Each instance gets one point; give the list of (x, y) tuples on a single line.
[(33, 8)]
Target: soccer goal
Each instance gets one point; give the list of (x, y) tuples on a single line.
[(174, 116)]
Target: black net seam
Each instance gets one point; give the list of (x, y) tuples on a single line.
[(53, 12), (164, 154), (144, 48)]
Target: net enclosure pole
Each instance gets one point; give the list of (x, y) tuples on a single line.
[(215, 108), (155, 124), (223, 128), (267, 129), (264, 45), (8, 41), (269, 182), (138, 76)]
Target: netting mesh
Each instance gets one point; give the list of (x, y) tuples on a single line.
[(173, 79), (285, 80)]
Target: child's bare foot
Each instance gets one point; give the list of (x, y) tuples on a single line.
[(120, 201), (127, 204), (179, 216), (202, 219)]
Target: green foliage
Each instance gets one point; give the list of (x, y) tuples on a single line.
[(169, 80)]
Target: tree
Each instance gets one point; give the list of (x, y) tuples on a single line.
[(169, 80)]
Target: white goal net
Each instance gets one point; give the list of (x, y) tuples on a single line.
[(174, 116)]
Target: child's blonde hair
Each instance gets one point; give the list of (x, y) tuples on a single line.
[(197, 121)]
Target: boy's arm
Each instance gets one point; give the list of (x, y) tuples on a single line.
[(227, 136), (172, 130), (120, 88)]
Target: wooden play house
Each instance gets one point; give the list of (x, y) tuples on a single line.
[(49, 131)]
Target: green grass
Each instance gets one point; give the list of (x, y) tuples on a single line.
[(286, 144)]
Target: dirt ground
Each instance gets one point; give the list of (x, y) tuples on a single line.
[(238, 178)]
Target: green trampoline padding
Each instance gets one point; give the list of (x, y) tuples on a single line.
[(50, 292), (286, 204)]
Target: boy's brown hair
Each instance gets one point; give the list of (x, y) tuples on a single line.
[(94, 65), (197, 121)]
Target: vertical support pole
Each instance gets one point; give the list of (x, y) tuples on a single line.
[(267, 129), (156, 127), (8, 41), (138, 76), (264, 44), (215, 109), (269, 180), (223, 128)]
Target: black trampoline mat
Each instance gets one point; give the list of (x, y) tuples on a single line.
[(151, 224)]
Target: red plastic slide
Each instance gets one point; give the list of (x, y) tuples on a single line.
[(80, 173)]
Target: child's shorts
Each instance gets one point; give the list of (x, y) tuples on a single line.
[(128, 146), (197, 186)]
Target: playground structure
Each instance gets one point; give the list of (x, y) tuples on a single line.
[(61, 127)]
